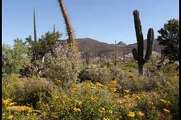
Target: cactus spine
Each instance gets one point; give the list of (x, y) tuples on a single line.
[(138, 53)]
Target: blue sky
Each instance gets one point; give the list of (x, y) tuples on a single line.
[(103, 20)]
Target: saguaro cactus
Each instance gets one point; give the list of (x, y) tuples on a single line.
[(138, 53)]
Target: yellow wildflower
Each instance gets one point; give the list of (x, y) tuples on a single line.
[(99, 84), (106, 118), (93, 99), (7, 101), (56, 97), (113, 89), (44, 113), (25, 108), (12, 103), (10, 117), (114, 82), (73, 89), (137, 97), (77, 109), (131, 114), (78, 102), (101, 109), (126, 96), (166, 110), (110, 111), (14, 108), (140, 114), (165, 101), (127, 91)]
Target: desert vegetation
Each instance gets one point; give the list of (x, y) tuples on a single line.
[(47, 79)]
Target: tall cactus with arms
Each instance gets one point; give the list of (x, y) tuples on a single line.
[(138, 53)]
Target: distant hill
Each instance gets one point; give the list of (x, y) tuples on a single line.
[(94, 46), (156, 46), (97, 47), (121, 43)]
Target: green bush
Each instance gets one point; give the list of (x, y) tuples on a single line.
[(26, 91)]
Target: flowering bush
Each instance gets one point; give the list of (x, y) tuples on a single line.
[(83, 101)]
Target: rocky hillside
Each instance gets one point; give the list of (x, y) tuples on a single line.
[(97, 47)]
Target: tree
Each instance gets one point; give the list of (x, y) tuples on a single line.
[(43, 45), (14, 58), (169, 38)]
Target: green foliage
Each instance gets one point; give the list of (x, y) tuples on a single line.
[(169, 38), (26, 91), (138, 53), (14, 58), (43, 45)]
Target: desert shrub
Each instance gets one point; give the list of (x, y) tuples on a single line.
[(26, 91), (136, 83), (85, 101), (95, 74), (169, 90), (154, 106), (62, 68), (117, 73), (101, 74), (130, 67), (12, 86)]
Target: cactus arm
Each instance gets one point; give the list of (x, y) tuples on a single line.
[(139, 34), (150, 40), (135, 54)]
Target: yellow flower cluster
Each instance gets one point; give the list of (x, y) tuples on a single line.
[(113, 89), (132, 114), (165, 101), (138, 97), (6, 102), (19, 108), (73, 89), (106, 118), (10, 117), (93, 99), (113, 82), (78, 102), (140, 114)]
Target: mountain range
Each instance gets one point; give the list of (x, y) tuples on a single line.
[(97, 47)]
